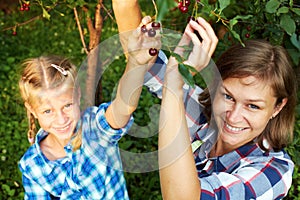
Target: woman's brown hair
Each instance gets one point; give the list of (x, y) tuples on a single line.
[(272, 65)]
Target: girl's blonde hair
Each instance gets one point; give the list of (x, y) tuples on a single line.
[(40, 74)]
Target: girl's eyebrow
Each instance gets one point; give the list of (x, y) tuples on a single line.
[(248, 100)]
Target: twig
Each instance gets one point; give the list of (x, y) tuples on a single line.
[(107, 11), (80, 31)]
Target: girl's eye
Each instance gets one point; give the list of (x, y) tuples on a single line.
[(68, 105), (47, 111)]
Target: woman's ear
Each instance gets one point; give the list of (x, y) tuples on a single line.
[(279, 107), (28, 107)]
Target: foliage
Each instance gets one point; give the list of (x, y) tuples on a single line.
[(55, 32)]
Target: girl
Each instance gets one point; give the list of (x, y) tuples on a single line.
[(74, 155)]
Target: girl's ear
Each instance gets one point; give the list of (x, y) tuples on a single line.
[(28, 107), (279, 107)]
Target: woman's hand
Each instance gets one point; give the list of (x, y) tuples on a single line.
[(202, 51), (139, 44)]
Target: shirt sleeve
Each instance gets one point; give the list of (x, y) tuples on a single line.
[(106, 131), (261, 180), (33, 191)]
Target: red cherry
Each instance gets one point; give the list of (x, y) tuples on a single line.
[(14, 33), (247, 35), (180, 4), (152, 51), (151, 32), (144, 29), (27, 8), (155, 25), (249, 28), (184, 9), (22, 8), (187, 2)]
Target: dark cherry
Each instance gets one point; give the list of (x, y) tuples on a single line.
[(247, 35), (14, 33), (187, 2), (152, 51), (191, 18), (155, 25), (151, 32), (184, 9), (144, 29)]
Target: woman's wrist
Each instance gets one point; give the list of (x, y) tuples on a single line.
[(173, 78)]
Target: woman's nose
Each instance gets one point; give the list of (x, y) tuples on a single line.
[(234, 113)]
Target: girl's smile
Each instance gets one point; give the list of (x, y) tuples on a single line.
[(58, 113)]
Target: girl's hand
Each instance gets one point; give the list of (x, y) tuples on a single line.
[(139, 44), (202, 51)]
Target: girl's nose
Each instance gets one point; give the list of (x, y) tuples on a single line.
[(61, 117)]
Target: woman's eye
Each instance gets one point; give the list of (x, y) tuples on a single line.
[(252, 106), (226, 96)]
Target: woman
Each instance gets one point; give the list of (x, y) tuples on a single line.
[(249, 115)]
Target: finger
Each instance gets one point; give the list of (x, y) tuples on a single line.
[(206, 40), (208, 34)]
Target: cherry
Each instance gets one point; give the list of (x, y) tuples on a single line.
[(27, 8), (191, 18), (180, 4), (155, 25), (152, 51), (144, 29), (151, 32), (247, 35), (249, 28), (14, 33), (187, 2), (22, 8), (184, 9)]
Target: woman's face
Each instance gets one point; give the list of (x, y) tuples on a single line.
[(242, 107), (58, 112)]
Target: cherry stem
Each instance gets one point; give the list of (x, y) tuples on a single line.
[(155, 8)]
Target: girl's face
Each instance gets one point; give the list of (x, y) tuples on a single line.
[(242, 108), (58, 112)]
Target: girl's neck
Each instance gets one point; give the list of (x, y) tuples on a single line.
[(53, 148)]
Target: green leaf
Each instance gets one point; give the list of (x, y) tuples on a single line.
[(186, 75), (288, 24), (224, 4), (295, 41), (163, 7), (296, 10), (10, 60), (46, 14), (272, 6), (235, 20), (178, 57), (282, 10)]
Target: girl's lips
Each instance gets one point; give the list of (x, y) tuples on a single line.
[(62, 129)]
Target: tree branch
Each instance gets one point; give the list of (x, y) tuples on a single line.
[(80, 31)]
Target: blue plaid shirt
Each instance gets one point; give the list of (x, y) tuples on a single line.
[(245, 173), (94, 171)]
